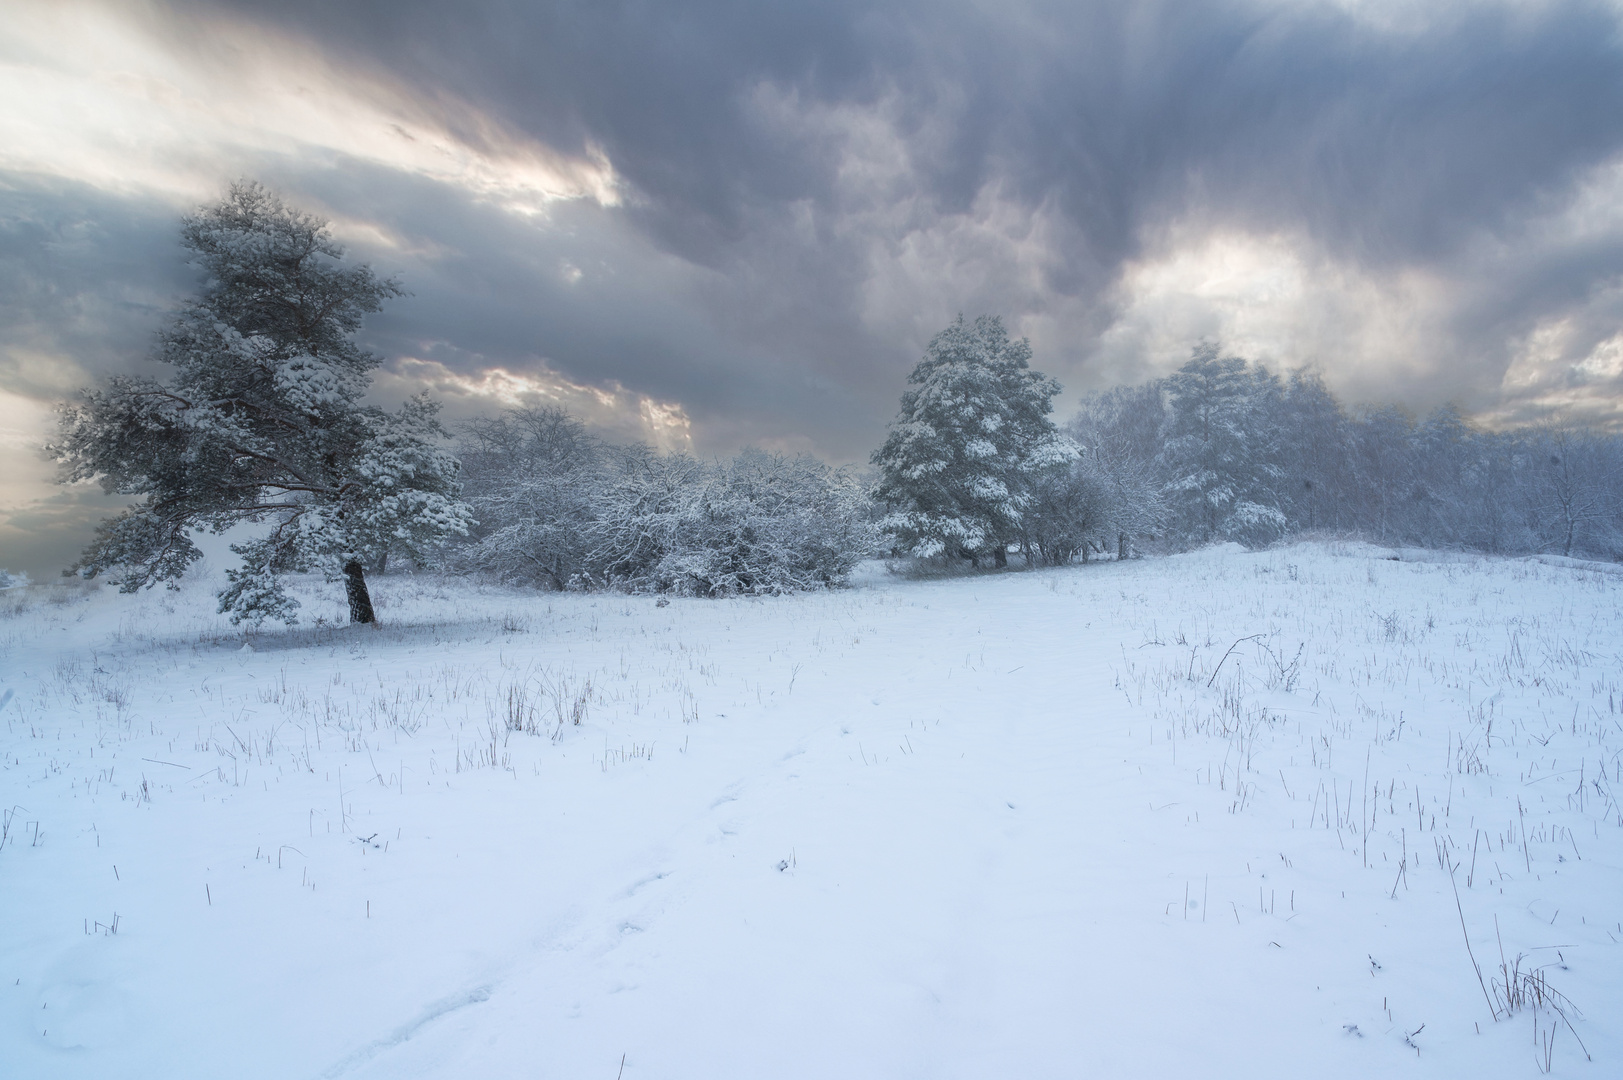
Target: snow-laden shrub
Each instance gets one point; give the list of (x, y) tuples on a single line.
[(757, 524), (558, 509), (9, 580), (534, 478)]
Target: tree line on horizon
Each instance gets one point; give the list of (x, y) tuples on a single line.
[(1236, 452), (262, 422)]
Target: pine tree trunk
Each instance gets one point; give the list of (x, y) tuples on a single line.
[(1000, 555), (360, 601), (1121, 545)]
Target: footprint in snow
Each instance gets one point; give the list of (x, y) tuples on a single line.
[(642, 883)]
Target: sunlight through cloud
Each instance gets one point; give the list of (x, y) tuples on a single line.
[(148, 103), (611, 408)]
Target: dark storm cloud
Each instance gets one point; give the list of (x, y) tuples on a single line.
[(658, 86), (498, 294), (1394, 144), (1387, 146)]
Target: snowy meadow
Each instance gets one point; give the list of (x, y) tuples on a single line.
[(1325, 808)]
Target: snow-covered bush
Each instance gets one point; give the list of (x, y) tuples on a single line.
[(535, 479), (559, 509), (9, 580), (757, 524)]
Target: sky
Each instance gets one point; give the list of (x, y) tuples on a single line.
[(716, 224)]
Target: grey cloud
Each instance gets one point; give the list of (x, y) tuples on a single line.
[(1398, 143), (1385, 147), (497, 292), (83, 275)]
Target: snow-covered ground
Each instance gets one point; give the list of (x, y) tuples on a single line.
[(1045, 824)]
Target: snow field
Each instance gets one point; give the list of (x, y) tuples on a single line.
[(1205, 815)]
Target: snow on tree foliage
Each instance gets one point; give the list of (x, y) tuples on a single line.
[(1221, 455), (558, 509), (972, 435), (1225, 450), (1111, 493), (758, 524), (261, 422), (533, 477)]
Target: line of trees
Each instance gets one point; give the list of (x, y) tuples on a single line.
[(1238, 453), (261, 422), (1221, 450)]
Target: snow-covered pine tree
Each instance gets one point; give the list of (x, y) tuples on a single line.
[(261, 422), (971, 432), (1221, 451), (1316, 490)]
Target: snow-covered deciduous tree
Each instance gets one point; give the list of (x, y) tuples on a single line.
[(1068, 513), (535, 478), (1313, 434), (1383, 465), (1119, 435), (261, 422), (972, 434), (1573, 490)]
